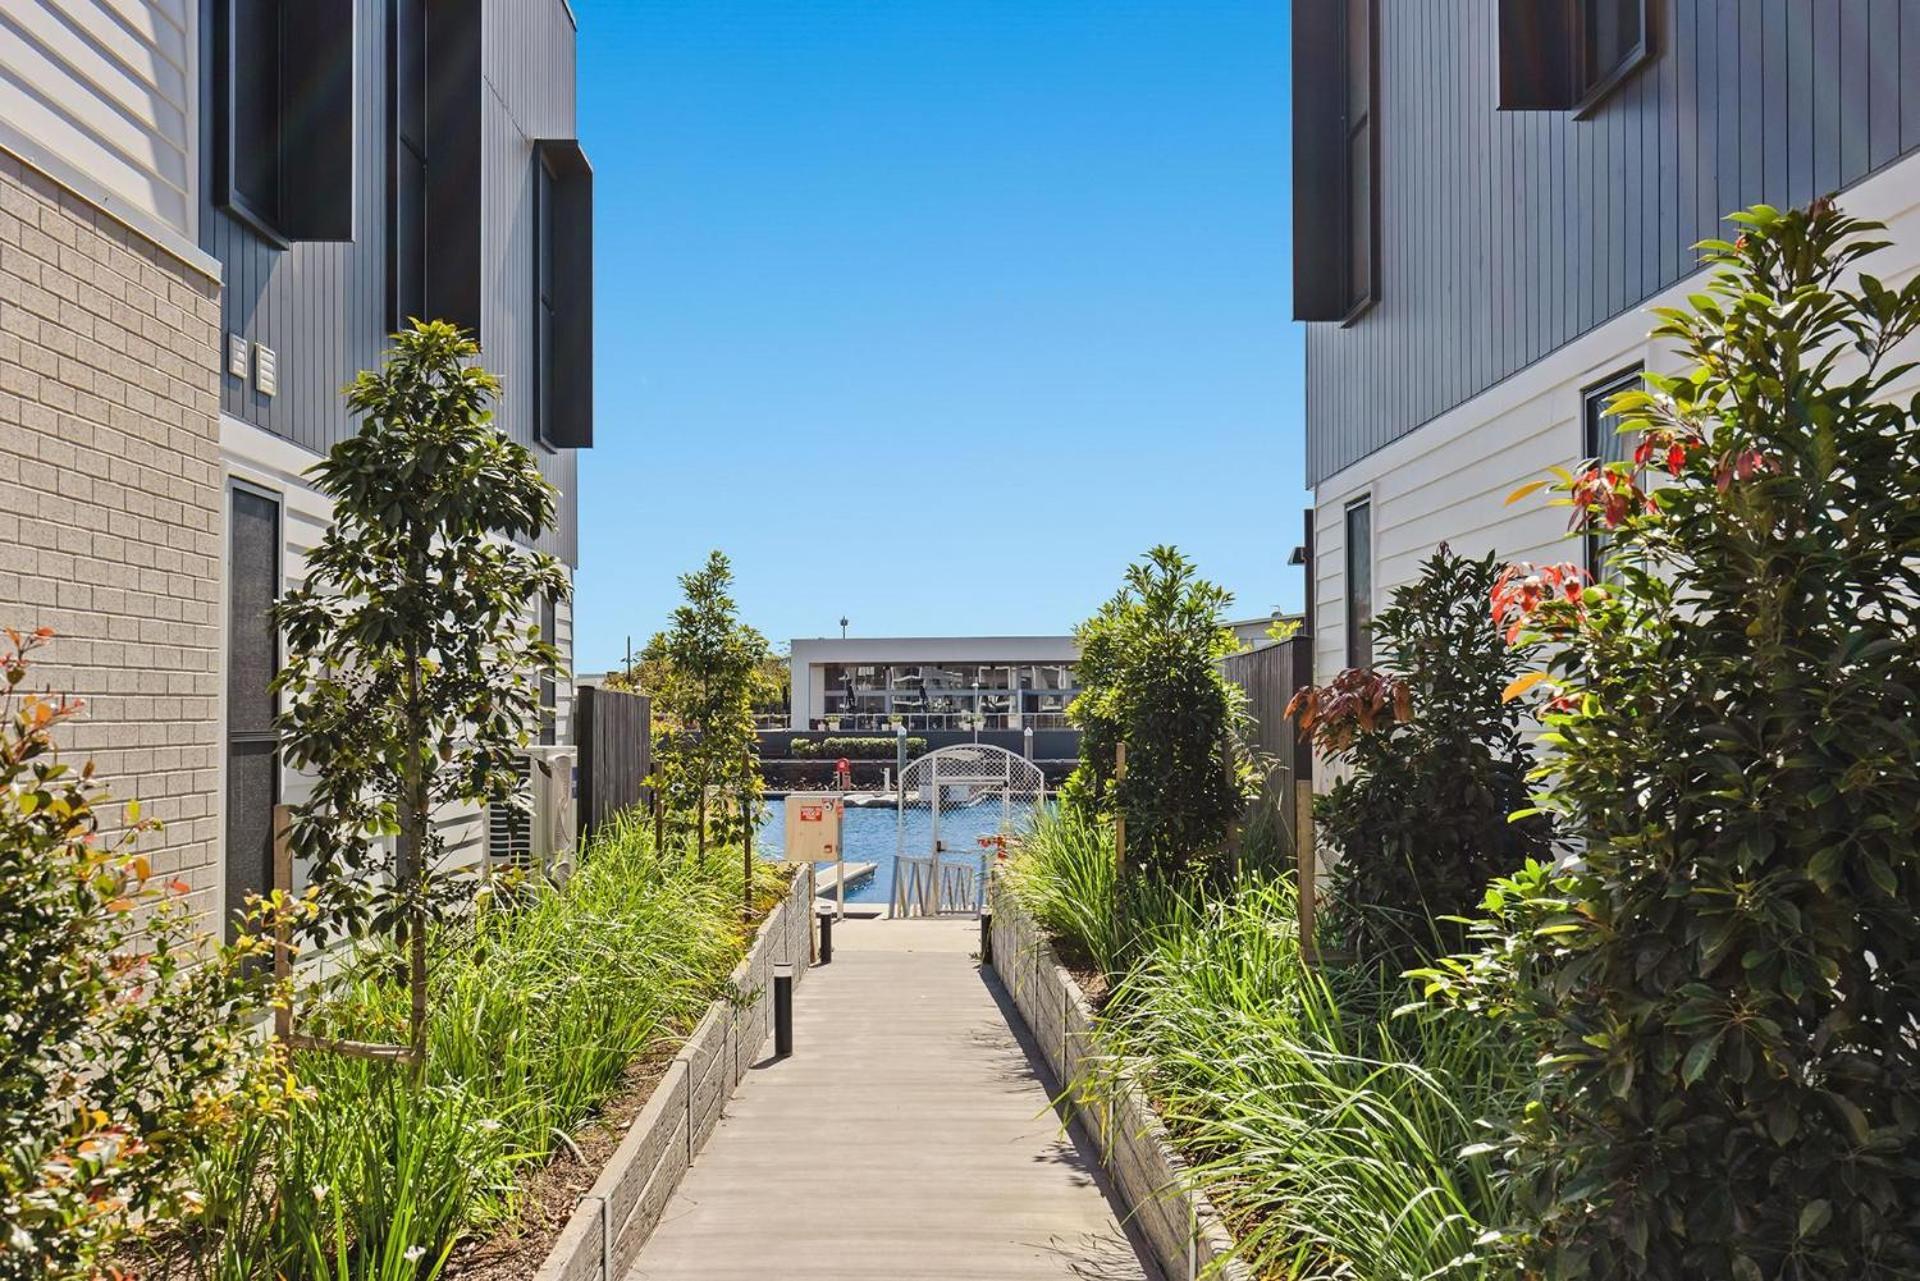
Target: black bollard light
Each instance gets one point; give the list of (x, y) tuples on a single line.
[(782, 1010), (986, 936), (826, 936)]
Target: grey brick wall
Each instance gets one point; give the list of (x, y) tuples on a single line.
[(110, 501)]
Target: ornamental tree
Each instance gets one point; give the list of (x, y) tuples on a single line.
[(413, 669), (1725, 990), (704, 674), (126, 1050), (1435, 762), (1150, 677)]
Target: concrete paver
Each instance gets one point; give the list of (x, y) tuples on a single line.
[(910, 1137)]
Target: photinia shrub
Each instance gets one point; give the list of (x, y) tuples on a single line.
[(127, 1047), (1725, 989), (1435, 762)]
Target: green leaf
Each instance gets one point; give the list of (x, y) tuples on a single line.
[(1700, 1057)]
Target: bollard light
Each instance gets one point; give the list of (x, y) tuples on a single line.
[(782, 1010), (826, 935)]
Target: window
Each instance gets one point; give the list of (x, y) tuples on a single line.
[(1359, 186), (1604, 444), (1568, 55), (563, 295), (543, 301), (1360, 584), (549, 692), (284, 155), (407, 140), (253, 659), (1336, 159)]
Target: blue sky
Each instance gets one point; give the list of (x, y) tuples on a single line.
[(935, 313)]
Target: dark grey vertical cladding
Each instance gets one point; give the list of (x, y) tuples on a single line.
[(529, 67), (324, 307), (1507, 234), (319, 305)]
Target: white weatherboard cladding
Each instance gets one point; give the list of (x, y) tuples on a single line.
[(256, 457), (1449, 480), (102, 95)]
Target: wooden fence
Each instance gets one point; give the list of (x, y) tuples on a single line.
[(1270, 675), (611, 731)]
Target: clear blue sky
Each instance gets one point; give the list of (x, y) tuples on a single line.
[(935, 313)]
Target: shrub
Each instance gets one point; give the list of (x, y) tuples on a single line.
[(1724, 993), (875, 748), (125, 1050), (1150, 677), (1435, 764)]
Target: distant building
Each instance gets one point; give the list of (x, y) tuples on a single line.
[(1254, 631), (933, 682)]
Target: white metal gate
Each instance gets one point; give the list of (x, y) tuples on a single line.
[(956, 808)]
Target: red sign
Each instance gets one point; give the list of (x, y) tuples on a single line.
[(813, 813)]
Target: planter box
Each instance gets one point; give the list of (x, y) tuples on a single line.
[(1184, 1231), (615, 1218)]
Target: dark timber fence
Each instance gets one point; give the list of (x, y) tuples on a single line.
[(616, 754), (1270, 675)]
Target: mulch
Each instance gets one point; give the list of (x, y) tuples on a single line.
[(515, 1249)]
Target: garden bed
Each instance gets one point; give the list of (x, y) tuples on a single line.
[(555, 1018)]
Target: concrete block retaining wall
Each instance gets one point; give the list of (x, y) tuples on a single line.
[(1184, 1231), (615, 1218)]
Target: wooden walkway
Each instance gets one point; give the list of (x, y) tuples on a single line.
[(909, 1136)]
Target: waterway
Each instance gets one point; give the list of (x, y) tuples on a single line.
[(873, 835)]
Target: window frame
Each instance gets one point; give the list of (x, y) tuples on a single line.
[(1359, 302), (1588, 96), (1354, 657), (1542, 56), (548, 612), (397, 162), (312, 115), (1593, 396), (544, 183), (228, 738)]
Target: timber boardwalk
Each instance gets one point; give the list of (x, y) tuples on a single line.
[(909, 1138)]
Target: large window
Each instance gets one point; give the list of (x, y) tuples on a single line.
[(562, 295), (253, 658), (1360, 584), (1605, 445), (283, 158), (1336, 159), (407, 139), (1568, 55), (1360, 155)]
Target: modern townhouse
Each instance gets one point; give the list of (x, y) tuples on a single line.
[(1489, 194), (214, 212)]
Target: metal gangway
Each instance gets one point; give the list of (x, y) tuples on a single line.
[(956, 808)]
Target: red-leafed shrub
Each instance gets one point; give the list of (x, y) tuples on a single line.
[(1435, 762), (1724, 994)]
